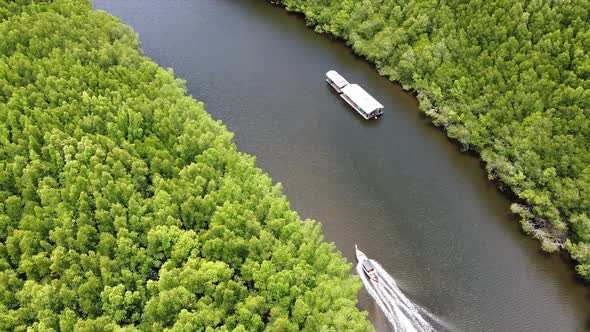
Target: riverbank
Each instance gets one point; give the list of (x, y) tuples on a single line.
[(425, 211), (547, 173), (124, 205)]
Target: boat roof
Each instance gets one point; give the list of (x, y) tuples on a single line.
[(337, 78), (361, 97), (368, 265)]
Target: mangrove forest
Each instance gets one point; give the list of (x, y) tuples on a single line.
[(125, 206), (507, 79)]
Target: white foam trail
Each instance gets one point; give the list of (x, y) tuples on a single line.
[(388, 309), (399, 310), (411, 310), (437, 322)]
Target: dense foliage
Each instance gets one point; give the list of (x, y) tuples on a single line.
[(509, 79), (124, 205)]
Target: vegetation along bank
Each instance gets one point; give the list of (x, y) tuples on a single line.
[(124, 205), (508, 79)]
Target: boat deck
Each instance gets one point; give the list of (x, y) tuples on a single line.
[(367, 106)]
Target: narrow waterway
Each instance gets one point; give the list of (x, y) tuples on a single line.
[(396, 186)]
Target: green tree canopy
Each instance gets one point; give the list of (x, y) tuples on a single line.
[(124, 206), (508, 79)]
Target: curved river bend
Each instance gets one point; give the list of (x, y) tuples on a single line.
[(396, 186)]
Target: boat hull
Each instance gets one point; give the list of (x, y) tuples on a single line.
[(356, 108), (366, 264)]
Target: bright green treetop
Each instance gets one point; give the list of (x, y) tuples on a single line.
[(509, 79), (124, 206)]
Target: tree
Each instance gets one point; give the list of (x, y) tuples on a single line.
[(508, 80), (123, 204)]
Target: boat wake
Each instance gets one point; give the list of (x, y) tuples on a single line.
[(402, 314)]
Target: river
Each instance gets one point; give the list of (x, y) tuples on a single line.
[(395, 186)]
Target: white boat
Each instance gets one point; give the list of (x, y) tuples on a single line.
[(361, 101), (368, 267), (367, 106), (336, 80)]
